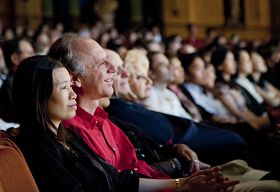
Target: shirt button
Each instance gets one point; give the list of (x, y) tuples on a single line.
[(114, 149), (135, 169)]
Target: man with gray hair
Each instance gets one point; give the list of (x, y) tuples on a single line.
[(93, 79)]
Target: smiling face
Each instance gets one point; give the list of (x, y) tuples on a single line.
[(141, 84), (97, 81), (137, 65), (62, 104), (121, 86)]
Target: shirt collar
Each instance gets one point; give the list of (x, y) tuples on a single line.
[(99, 113)]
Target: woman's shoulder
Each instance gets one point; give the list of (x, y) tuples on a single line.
[(38, 145), (221, 89)]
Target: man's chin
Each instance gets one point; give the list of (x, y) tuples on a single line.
[(109, 93)]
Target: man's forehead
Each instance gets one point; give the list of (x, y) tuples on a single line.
[(115, 59), (111, 55), (89, 47), (99, 55), (24, 44)]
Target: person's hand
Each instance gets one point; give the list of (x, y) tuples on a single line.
[(208, 180), (228, 189), (185, 152), (188, 154), (220, 119), (203, 165)]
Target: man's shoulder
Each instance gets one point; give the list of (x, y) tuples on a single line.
[(74, 122)]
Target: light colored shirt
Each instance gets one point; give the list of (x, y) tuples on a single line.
[(248, 85), (5, 125), (165, 101), (207, 101)]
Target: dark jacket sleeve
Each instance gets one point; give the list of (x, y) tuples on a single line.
[(6, 112), (49, 171), (129, 181), (126, 180)]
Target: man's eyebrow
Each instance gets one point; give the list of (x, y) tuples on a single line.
[(101, 60)]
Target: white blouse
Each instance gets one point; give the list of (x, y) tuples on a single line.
[(165, 101), (248, 85)]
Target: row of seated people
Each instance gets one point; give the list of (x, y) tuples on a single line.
[(159, 98), (13, 51), (16, 176), (109, 143), (70, 164)]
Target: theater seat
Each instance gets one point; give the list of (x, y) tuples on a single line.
[(15, 175)]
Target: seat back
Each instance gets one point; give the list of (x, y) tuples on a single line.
[(15, 175)]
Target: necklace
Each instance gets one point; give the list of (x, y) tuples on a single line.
[(65, 145)]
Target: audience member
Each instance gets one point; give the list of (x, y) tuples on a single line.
[(59, 159), (165, 128), (14, 51), (162, 99), (104, 138), (264, 88)]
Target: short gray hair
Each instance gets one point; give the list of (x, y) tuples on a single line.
[(64, 51)]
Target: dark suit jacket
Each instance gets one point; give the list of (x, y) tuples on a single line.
[(6, 108), (205, 140)]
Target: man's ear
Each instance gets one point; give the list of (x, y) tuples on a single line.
[(76, 80)]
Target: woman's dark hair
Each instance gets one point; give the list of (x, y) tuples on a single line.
[(218, 56), (150, 57), (32, 88), (187, 59), (237, 52)]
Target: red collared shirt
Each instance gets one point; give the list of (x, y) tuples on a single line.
[(109, 142)]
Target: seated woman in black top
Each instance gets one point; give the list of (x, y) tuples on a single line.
[(58, 159)]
